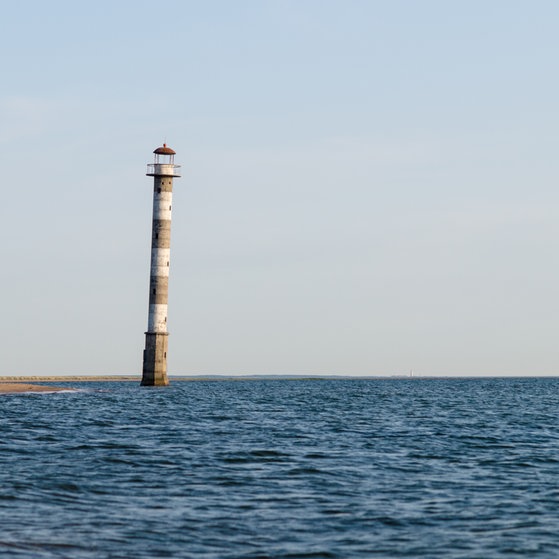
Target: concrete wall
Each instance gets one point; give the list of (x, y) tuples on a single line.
[(154, 372)]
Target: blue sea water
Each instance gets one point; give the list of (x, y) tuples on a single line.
[(459, 468)]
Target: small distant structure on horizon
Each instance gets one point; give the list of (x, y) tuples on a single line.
[(163, 170)]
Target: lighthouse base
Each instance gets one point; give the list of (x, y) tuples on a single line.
[(154, 371)]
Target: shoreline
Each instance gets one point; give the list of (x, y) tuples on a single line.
[(17, 382), (20, 387), (69, 378)]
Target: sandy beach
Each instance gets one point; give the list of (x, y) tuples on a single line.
[(12, 387)]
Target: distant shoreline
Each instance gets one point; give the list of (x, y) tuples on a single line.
[(16, 380), (181, 378), (217, 377), (69, 378), (188, 378)]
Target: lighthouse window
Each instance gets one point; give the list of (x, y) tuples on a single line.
[(154, 291), (157, 235), (158, 191), (165, 355), (169, 208), (167, 263)]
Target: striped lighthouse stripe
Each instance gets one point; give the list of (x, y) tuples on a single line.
[(160, 260), (160, 254)]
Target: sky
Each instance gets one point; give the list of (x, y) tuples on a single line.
[(368, 187)]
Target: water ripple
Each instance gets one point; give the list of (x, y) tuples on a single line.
[(283, 469)]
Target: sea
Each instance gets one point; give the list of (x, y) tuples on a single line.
[(298, 469)]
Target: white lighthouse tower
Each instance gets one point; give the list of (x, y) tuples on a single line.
[(163, 170)]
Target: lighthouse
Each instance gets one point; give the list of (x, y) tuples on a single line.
[(163, 170)]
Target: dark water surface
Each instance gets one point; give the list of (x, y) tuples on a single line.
[(283, 469)]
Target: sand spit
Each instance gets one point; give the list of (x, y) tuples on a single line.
[(72, 378), (18, 387)]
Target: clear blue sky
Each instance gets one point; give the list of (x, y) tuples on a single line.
[(368, 186)]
